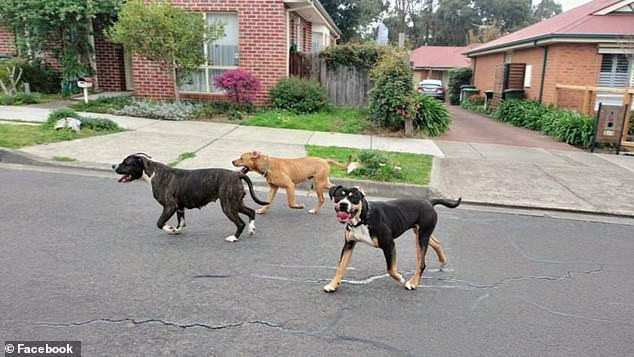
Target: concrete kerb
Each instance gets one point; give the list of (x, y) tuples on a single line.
[(371, 188)]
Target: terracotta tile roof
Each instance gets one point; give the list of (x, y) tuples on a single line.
[(580, 21), (440, 57)]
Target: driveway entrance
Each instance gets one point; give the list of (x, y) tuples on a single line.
[(477, 128)]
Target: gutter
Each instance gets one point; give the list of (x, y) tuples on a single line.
[(320, 8), (545, 39)]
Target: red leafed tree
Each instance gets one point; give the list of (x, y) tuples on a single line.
[(240, 85)]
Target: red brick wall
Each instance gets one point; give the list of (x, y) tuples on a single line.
[(263, 46), (535, 58), (484, 73), (7, 41), (572, 64), (110, 67)]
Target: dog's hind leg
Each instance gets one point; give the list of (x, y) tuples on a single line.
[(231, 211), (440, 252), (290, 193), (168, 212), (319, 187), (422, 241), (180, 216), (251, 214)]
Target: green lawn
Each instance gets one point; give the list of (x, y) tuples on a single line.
[(342, 120), (416, 168), (15, 136), (102, 105)]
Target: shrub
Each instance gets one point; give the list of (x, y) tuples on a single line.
[(40, 77), (103, 104), (299, 96), (240, 85), (97, 124), (569, 127), (376, 166), (160, 110), (7, 99), (431, 115), (392, 97), (28, 98), (457, 78), (361, 56), (475, 104)]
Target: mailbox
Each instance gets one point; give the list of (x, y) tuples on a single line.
[(85, 82)]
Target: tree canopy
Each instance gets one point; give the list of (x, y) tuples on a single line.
[(164, 33)]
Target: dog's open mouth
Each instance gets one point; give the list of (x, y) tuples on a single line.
[(244, 170), (344, 216), (126, 178)]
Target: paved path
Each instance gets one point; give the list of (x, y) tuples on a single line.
[(476, 128)]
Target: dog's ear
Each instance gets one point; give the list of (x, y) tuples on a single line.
[(360, 189), (148, 165), (332, 190), (255, 154)]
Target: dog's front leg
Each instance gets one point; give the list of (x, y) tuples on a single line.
[(168, 212), (290, 193), (269, 198), (344, 260), (180, 216), (422, 241), (387, 245)]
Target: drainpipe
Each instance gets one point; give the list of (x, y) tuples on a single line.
[(541, 85)]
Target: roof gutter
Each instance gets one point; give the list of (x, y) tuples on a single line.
[(544, 40)]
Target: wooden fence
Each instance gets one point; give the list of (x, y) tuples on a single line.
[(589, 96)]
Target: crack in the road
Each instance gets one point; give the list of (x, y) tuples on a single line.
[(139, 322), (574, 316)]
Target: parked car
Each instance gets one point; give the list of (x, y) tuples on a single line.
[(433, 88)]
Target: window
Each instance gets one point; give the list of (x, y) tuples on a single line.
[(220, 55), (528, 75), (318, 41), (615, 71)]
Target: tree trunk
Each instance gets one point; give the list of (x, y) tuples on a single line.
[(92, 54), (409, 128), (177, 95)]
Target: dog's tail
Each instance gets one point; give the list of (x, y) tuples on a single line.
[(446, 203), (340, 165), (250, 184)]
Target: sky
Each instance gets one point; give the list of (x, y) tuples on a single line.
[(569, 4)]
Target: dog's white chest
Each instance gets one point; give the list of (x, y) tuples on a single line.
[(361, 234)]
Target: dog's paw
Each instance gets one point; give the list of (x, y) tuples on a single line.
[(231, 239), (171, 230), (260, 211), (442, 267), (298, 206), (251, 228), (410, 286), (330, 288), (313, 211)]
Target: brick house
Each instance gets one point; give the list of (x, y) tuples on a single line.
[(434, 62), (258, 36), (591, 45)]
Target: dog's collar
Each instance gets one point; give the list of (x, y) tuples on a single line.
[(268, 166), (363, 218)]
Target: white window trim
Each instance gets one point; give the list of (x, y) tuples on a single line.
[(528, 75), (206, 67)]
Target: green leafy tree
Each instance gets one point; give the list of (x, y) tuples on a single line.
[(166, 34), (546, 9), (508, 15), (351, 16), (63, 28), (454, 19)]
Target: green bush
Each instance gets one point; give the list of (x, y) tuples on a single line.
[(299, 96), (7, 99), (361, 56), (97, 124), (40, 77), (569, 127), (30, 98), (392, 97), (376, 166), (475, 104), (231, 110), (431, 115), (160, 110), (457, 78)]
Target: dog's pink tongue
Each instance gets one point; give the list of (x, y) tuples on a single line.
[(124, 178), (343, 215)]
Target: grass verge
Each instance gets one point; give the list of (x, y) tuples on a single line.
[(342, 120), (183, 156), (415, 168), (15, 136)]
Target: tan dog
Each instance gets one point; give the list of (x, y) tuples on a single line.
[(286, 173)]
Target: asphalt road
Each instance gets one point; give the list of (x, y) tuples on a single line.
[(82, 259)]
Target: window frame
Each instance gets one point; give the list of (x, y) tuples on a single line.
[(611, 82), (206, 67)]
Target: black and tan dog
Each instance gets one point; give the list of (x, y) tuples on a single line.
[(379, 223), (177, 189)]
